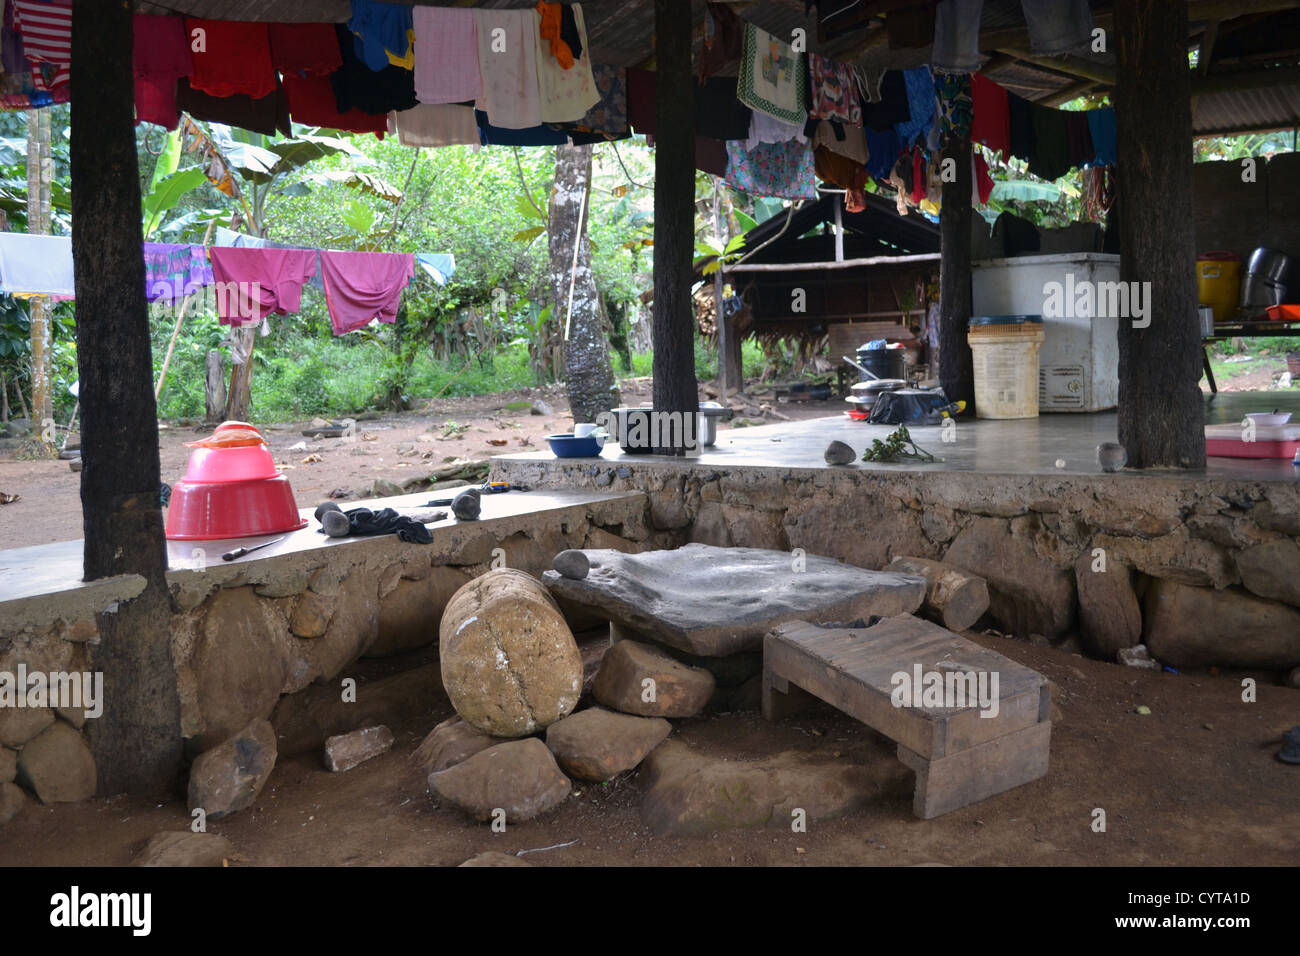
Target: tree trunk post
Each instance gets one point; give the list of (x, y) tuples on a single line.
[(39, 169), (956, 367), (1161, 410), (137, 741), (239, 398), (588, 375), (675, 388)]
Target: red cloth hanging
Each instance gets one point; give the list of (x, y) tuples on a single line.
[(918, 175), (983, 181), (360, 286), (305, 49), (990, 115), (312, 102), (160, 56), (252, 282), (231, 58)]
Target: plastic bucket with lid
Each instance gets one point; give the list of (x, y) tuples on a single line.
[(1218, 282), (1004, 349)]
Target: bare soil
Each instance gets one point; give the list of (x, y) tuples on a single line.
[(1195, 782)]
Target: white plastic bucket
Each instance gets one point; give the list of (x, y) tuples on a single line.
[(1004, 349)]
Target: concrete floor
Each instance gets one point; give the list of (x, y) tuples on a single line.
[(1031, 446)]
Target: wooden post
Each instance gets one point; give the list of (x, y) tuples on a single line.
[(956, 369), (40, 169), (137, 741), (214, 387), (675, 388), (1161, 410)]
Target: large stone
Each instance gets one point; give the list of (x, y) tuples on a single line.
[(303, 721), (640, 679), (184, 848), (1110, 617), (509, 661), (20, 724), (57, 765), (312, 615), (346, 751), (353, 628), (496, 858), (1272, 570), (689, 794), (1177, 556), (12, 801), (228, 778), (597, 744), (519, 777), (1028, 594), (1198, 627), (713, 602), (451, 742), (239, 666), (409, 614), (8, 765)]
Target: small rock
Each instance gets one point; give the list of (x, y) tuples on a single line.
[(496, 858), (623, 471), (467, 505), (348, 750), (184, 848), (8, 765), (20, 724), (12, 801), (519, 777), (638, 679), (572, 564), (57, 765), (1293, 678), (1207, 726), (597, 744), (604, 479), (1142, 709), (1111, 456), (838, 453), (539, 407), (1138, 656), (228, 778), (336, 524), (326, 506), (383, 488), (451, 742)]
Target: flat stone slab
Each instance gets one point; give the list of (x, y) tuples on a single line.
[(714, 602)]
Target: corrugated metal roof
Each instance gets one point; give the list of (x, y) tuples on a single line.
[(1275, 107)]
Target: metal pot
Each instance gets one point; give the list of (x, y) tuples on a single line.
[(1272, 278)]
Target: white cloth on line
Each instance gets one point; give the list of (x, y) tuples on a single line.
[(36, 265), (435, 125), (565, 95), (507, 62)]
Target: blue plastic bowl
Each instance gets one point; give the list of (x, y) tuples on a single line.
[(570, 446)]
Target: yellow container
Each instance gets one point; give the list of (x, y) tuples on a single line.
[(1004, 352), (1218, 283)]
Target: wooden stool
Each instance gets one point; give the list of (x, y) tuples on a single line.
[(959, 756)]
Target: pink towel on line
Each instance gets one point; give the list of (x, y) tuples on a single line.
[(254, 282), (360, 286), (446, 55)]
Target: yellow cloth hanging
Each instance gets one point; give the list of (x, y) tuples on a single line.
[(407, 60)]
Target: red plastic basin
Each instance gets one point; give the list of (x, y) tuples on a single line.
[(208, 510), (248, 463)]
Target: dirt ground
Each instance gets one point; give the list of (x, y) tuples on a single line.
[(394, 447), (1195, 782)]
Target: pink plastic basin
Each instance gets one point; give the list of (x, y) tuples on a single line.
[(204, 511), (246, 463)]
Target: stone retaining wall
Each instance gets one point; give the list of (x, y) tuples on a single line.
[(1205, 572), (247, 634)]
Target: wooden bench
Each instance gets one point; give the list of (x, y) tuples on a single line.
[(959, 756)]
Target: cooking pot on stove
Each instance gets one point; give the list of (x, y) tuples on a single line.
[(1272, 278)]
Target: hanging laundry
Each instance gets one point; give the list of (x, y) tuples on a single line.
[(990, 116), (983, 181), (253, 283), (833, 91), (719, 114), (539, 135), (435, 124), (882, 150), (852, 145), (957, 36), (231, 58), (1020, 127), (174, 270), (312, 102), (161, 56), (305, 49), (641, 102), (378, 92), (440, 266), (1051, 156), (565, 95), (1057, 26), (723, 39), (773, 78), (919, 84), (550, 30), (381, 32), (782, 170), (1081, 149), (918, 176), (46, 30), (711, 156), (956, 105), (910, 28), (765, 129), (11, 45), (446, 55), (1102, 130), (267, 114), (507, 59), (839, 170), (893, 108), (607, 120), (360, 286), (36, 265)]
